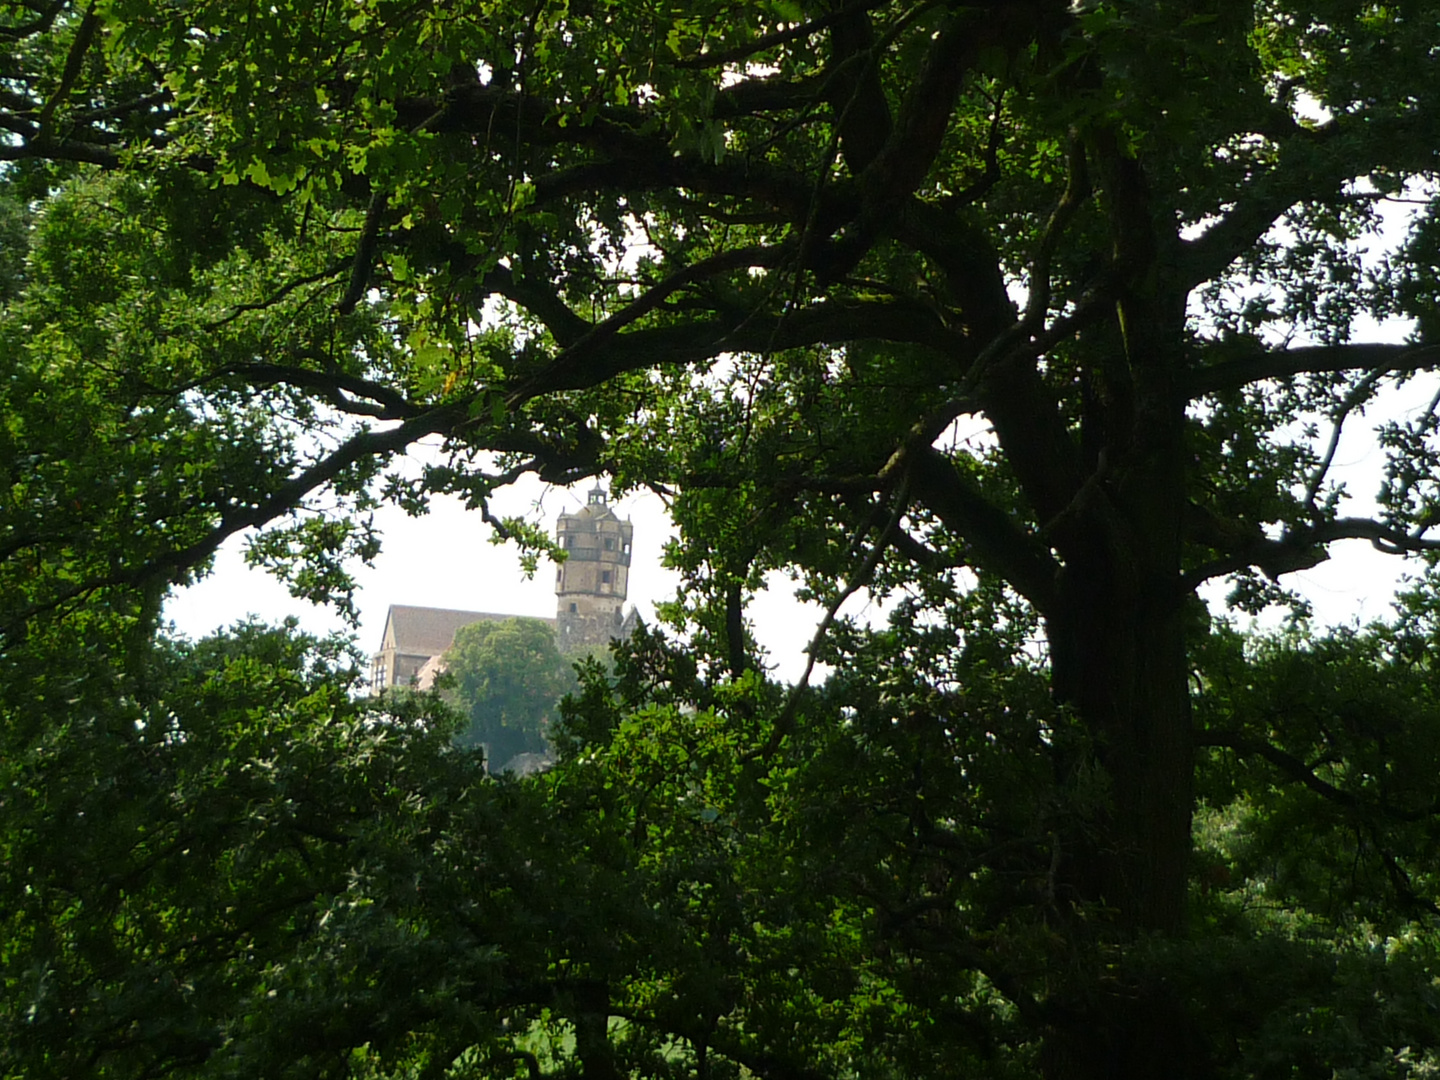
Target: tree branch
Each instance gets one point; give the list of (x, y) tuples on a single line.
[(831, 322), (1353, 400), (1301, 773), (35, 26), (110, 112), (334, 385), (540, 300), (853, 87), (364, 253), (858, 580), (275, 297), (723, 57), (45, 149), (1264, 199), (967, 257), (925, 114), (772, 94), (285, 498), (1000, 543), (597, 336), (1309, 360), (84, 37), (1302, 548), (1077, 189)]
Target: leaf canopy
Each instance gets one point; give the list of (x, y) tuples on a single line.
[(775, 261)]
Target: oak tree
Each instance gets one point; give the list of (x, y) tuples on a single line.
[(773, 260)]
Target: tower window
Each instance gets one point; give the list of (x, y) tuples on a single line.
[(605, 577), (573, 609), (609, 544)]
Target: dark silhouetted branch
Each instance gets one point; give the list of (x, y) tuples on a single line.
[(1312, 360)]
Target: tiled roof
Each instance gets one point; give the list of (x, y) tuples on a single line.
[(591, 512), (596, 509), (428, 631)]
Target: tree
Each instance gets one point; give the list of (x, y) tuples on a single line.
[(215, 869), (882, 896), (763, 264), (508, 678)]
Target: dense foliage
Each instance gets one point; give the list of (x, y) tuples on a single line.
[(508, 678), (775, 261)]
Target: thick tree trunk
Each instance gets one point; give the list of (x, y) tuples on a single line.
[(1118, 655), (1118, 658)]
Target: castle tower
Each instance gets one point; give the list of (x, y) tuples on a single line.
[(590, 584)]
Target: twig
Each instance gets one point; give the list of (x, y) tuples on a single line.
[(276, 297), (858, 581), (73, 60), (370, 234), (1353, 400)]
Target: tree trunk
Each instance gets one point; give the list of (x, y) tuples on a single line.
[(1118, 657)]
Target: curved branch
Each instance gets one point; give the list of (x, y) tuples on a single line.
[(1300, 174), (999, 542), (832, 322), (967, 257), (1353, 400), (285, 498), (1301, 773), (540, 300), (1309, 360), (1399, 880)]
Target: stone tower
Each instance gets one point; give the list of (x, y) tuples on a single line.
[(590, 584)]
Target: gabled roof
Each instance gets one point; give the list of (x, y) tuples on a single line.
[(428, 631)]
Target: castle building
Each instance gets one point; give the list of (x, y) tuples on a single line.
[(413, 641), (590, 589), (592, 581)]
